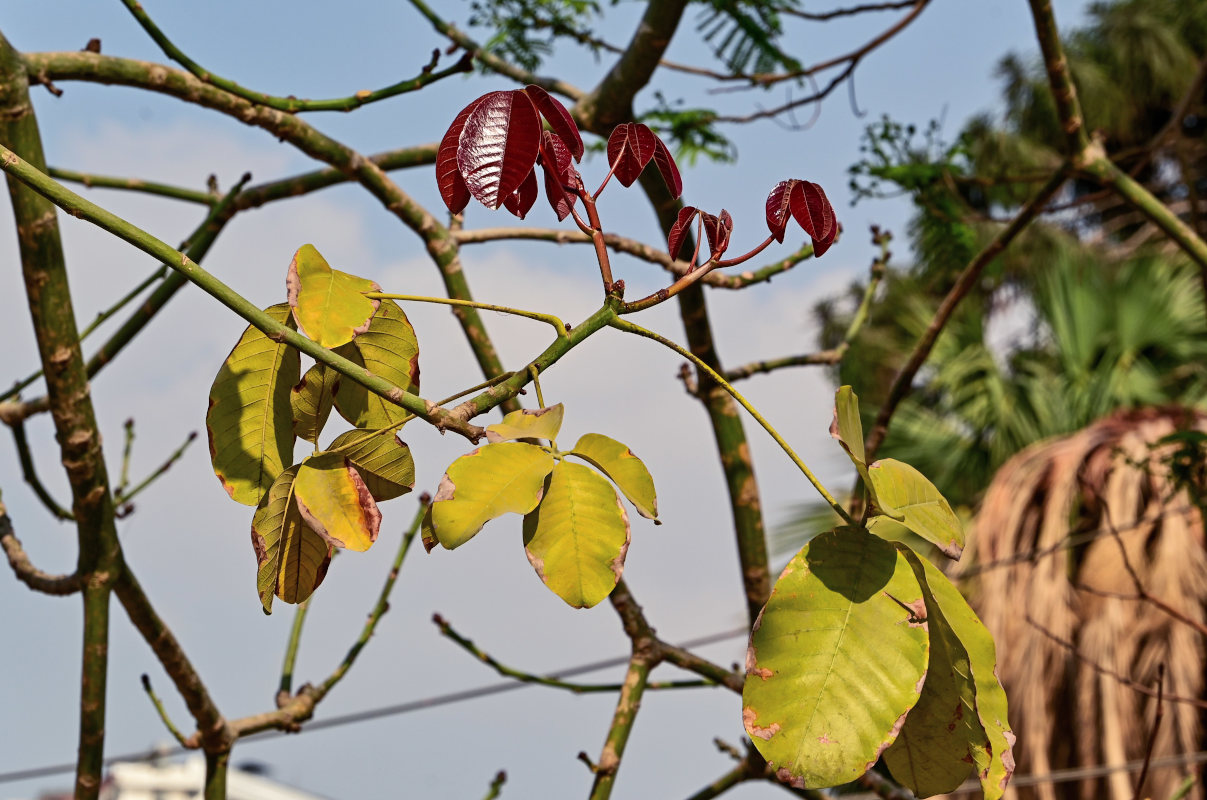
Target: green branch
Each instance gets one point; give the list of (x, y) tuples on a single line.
[(629, 327), (291, 105), (558, 325), (285, 688), (135, 185), (163, 712), (496, 786), (126, 497)]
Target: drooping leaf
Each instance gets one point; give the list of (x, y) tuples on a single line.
[(994, 764), (680, 230), (537, 423), (718, 231), (498, 145), (390, 350), (383, 461), (625, 469), (487, 483), (559, 119), (577, 538), (452, 186), (558, 168), (909, 497), (847, 427), (329, 306), (943, 736), (777, 210), (292, 559), (520, 201), (249, 421), (813, 212), (427, 533), (311, 401), (667, 166), (630, 148), (836, 659), (335, 503)]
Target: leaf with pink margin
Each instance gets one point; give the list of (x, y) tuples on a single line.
[(498, 146)]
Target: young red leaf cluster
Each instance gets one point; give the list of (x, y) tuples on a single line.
[(716, 229), (491, 150), (807, 204), (632, 146)]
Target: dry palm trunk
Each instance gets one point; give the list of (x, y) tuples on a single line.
[(1074, 636)]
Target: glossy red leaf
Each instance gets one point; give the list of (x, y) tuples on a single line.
[(777, 209), (679, 231), (520, 201), (718, 230), (820, 246), (557, 165), (668, 168), (453, 190), (559, 119), (498, 145), (630, 148), (811, 209)]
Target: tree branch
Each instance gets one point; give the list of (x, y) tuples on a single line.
[(24, 569)]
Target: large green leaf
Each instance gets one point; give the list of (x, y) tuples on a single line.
[(943, 737), (618, 462), (389, 350), (487, 483), (311, 401), (576, 539), (335, 503), (836, 660), (330, 306), (382, 459), (249, 422), (909, 497), (538, 423), (995, 761), (292, 558)]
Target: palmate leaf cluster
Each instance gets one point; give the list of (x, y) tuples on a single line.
[(866, 650)]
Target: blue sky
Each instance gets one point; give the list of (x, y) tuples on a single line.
[(188, 542)]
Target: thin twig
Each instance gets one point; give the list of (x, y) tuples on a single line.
[(163, 712), (846, 12), (126, 497), (1152, 734), (30, 473), (93, 181), (285, 687), (496, 786), (724, 783), (548, 319), (23, 568)]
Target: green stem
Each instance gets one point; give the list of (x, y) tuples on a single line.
[(724, 783), (30, 474), (79, 207), (126, 497), (290, 105), (549, 319), (285, 689), (496, 786), (163, 712), (216, 767), (134, 185), (629, 327), (635, 680), (127, 451)]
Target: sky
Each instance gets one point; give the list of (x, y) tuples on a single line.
[(188, 543)]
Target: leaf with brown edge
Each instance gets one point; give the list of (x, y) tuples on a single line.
[(626, 470), (577, 538), (718, 231), (453, 190), (328, 305), (427, 533), (498, 145), (680, 230), (558, 167), (292, 559), (630, 148), (311, 401), (335, 503), (538, 423), (249, 422), (485, 483), (383, 460), (558, 117), (666, 165), (388, 349), (520, 201)]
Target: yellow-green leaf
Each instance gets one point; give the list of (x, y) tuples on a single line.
[(311, 401), (382, 459), (836, 659), (487, 483), (330, 306), (292, 558), (539, 423), (389, 350), (249, 421), (576, 539), (909, 497), (628, 472), (335, 503), (847, 428)]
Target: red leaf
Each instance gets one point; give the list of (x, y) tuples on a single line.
[(679, 231), (499, 145), (666, 165), (811, 209), (559, 119), (820, 246), (448, 177), (520, 201), (559, 172), (630, 148), (718, 230), (777, 209)]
